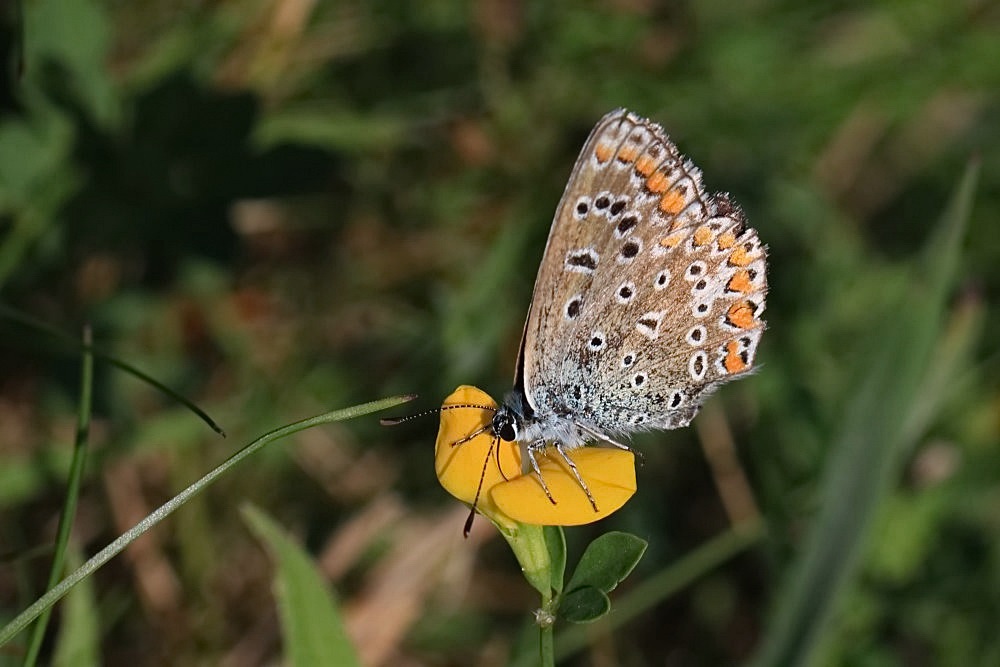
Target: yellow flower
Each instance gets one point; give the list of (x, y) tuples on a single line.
[(508, 496)]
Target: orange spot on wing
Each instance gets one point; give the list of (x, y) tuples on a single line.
[(657, 183), (603, 152), (734, 362), (702, 235), (645, 165), (740, 282), (741, 314), (740, 257), (727, 240), (672, 202), (628, 154), (672, 240)]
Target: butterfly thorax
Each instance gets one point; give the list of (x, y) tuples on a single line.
[(515, 420)]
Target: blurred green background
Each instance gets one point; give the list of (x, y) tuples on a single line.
[(282, 207)]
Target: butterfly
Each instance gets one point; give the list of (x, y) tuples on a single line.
[(650, 295)]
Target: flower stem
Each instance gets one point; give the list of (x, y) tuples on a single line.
[(546, 640), (528, 544)]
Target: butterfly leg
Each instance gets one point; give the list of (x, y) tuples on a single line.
[(532, 448), (597, 435), (576, 473)]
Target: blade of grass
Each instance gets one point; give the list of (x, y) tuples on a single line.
[(72, 343), (311, 624), (76, 468), (80, 621), (879, 429), (165, 510)]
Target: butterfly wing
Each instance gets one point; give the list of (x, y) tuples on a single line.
[(650, 292)]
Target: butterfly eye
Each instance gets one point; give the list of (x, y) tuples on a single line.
[(504, 425)]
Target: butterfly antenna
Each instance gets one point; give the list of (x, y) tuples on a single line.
[(479, 488), (472, 435), (468, 523), (394, 421), (496, 457)]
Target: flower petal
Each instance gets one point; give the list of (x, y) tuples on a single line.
[(485, 457), (610, 474)]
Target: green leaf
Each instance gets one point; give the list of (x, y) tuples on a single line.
[(584, 605), (897, 398), (660, 586), (338, 131), (75, 35), (78, 643), (607, 561), (311, 624), (555, 540), (68, 515)]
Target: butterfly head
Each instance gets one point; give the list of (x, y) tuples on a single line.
[(505, 424)]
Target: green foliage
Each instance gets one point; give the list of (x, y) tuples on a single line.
[(584, 604), (605, 563), (274, 214), (878, 431), (79, 633), (555, 542), (313, 629), (41, 606), (541, 552)]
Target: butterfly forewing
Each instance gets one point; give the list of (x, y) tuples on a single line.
[(650, 291)]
